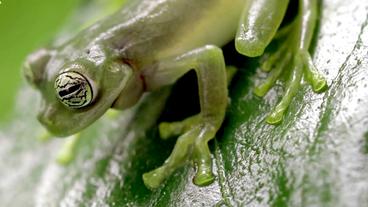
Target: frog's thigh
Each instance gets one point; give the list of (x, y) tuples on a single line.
[(209, 65), (208, 62), (258, 25)]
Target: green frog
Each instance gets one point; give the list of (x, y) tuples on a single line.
[(149, 44)]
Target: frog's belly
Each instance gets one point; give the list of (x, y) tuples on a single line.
[(217, 27)]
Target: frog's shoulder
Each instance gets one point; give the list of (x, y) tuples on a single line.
[(142, 27)]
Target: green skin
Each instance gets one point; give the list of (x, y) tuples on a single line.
[(150, 44)]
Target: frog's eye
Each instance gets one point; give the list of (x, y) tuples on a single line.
[(73, 90)]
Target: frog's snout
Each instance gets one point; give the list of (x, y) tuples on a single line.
[(34, 66), (49, 118), (49, 123)]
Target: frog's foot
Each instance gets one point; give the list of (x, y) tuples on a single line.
[(44, 136), (68, 150), (293, 63), (192, 144), (173, 129)]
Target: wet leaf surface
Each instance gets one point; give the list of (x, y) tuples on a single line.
[(316, 157)]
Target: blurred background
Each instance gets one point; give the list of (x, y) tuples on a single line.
[(25, 25)]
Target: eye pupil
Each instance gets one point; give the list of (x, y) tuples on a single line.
[(69, 90), (63, 93), (74, 88)]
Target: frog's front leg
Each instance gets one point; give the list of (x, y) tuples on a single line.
[(196, 131), (292, 58), (68, 150)]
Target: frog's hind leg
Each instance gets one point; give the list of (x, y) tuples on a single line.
[(194, 132), (173, 129), (292, 58)]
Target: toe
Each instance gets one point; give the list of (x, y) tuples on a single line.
[(203, 179), (153, 179)]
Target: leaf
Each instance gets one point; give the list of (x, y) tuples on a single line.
[(316, 157), (24, 26)]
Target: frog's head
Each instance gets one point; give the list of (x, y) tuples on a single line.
[(74, 92)]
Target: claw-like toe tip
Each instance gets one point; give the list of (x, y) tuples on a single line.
[(64, 159), (203, 179), (274, 118), (259, 92), (151, 180), (320, 86)]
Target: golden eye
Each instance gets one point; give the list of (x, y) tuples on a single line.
[(73, 90)]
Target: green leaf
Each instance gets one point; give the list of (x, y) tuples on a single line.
[(24, 26), (316, 157)]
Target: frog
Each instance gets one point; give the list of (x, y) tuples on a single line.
[(150, 44)]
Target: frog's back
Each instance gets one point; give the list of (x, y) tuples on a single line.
[(154, 29)]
